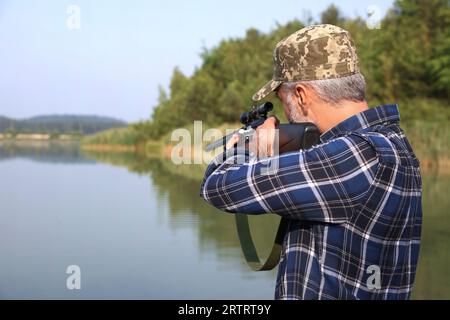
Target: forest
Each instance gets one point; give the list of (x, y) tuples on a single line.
[(59, 124), (405, 61)]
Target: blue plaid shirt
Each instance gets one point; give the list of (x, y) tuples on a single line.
[(353, 204)]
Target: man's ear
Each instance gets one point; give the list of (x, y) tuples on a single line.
[(303, 95)]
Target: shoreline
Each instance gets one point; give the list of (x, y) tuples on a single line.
[(105, 148), (38, 137), (164, 151)]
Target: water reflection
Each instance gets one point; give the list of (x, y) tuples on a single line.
[(179, 184), (433, 276), (172, 200), (43, 151), (179, 187)]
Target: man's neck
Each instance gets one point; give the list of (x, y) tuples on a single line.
[(331, 115)]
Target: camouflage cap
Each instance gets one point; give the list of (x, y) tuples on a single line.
[(313, 53)]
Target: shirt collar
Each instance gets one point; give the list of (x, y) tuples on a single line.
[(382, 114)]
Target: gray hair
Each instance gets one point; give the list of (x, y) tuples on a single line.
[(332, 91)]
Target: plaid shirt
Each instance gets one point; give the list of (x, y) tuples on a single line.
[(353, 204)]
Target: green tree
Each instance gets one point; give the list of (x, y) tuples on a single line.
[(332, 15), (406, 59)]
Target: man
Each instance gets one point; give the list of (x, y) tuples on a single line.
[(353, 201)]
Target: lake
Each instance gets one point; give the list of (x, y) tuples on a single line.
[(137, 229)]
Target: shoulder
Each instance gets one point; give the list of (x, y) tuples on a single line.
[(340, 154), (385, 144), (342, 148)]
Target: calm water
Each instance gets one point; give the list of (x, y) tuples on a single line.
[(138, 229)]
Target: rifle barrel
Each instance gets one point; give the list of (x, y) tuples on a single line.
[(219, 143)]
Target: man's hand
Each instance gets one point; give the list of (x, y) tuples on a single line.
[(233, 140), (262, 146)]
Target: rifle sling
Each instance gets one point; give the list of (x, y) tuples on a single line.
[(248, 246)]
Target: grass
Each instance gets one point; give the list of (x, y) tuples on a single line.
[(121, 136), (430, 142), (112, 140)]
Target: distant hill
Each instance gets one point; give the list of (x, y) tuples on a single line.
[(61, 124)]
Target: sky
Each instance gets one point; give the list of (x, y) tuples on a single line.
[(108, 57)]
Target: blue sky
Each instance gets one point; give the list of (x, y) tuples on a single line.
[(124, 50)]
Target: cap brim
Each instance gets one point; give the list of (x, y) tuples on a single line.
[(270, 86)]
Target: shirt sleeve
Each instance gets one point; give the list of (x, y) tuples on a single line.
[(325, 183)]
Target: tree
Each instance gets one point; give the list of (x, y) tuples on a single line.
[(332, 15), (407, 58)]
